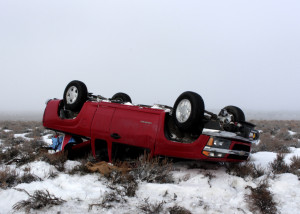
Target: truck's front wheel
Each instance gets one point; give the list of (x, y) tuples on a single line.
[(188, 111), (75, 95)]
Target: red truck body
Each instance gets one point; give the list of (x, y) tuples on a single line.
[(111, 124)]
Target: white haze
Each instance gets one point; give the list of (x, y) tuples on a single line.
[(243, 53)]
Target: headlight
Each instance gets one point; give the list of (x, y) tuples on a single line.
[(216, 147), (220, 143)]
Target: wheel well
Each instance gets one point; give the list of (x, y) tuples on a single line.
[(101, 150), (123, 151), (172, 132)]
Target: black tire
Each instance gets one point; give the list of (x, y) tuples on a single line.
[(238, 114), (75, 95), (193, 123), (121, 97)]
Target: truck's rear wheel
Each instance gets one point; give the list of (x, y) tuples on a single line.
[(75, 95), (121, 97)]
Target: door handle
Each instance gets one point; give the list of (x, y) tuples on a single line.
[(115, 136)]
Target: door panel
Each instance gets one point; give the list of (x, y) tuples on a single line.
[(134, 127)]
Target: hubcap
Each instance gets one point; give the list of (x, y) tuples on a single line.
[(183, 111), (72, 95)]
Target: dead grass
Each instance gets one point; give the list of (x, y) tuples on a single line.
[(245, 169), (81, 169), (178, 210), (38, 200), (261, 199), (148, 208), (57, 160), (275, 135), (153, 170), (22, 126), (9, 154), (123, 179), (295, 165), (10, 178), (109, 200), (278, 166), (272, 144)]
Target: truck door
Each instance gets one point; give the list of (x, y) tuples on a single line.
[(135, 126)]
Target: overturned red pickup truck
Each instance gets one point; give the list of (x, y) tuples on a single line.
[(114, 128)]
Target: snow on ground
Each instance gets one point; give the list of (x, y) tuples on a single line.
[(265, 158), (286, 190), (193, 189), (209, 191), (7, 130), (23, 136), (47, 139), (292, 133)]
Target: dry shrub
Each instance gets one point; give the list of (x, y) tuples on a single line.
[(284, 135), (244, 170), (153, 170), (57, 160), (295, 165), (28, 178), (109, 200), (127, 182), (149, 208), (22, 154), (178, 210), (278, 166), (6, 136), (122, 184), (81, 169), (122, 179), (118, 176), (261, 199), (39, 200), (8, 178), (9, 154)]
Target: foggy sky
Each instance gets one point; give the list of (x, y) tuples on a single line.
[(243, 53)]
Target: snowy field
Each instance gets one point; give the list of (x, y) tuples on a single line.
[(197, 187)]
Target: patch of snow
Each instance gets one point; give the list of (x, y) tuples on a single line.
[(199, 194), (285, 188), (23, 136), (47, 139), (78, 191), (294, 152), (40, 168), (7, 130), (69, 165), (292, 133), (263, 158)]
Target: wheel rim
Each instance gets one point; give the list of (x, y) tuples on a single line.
[(183, 110), (72, 95)]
